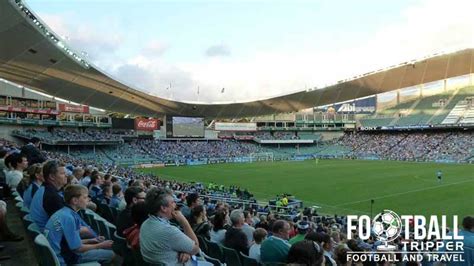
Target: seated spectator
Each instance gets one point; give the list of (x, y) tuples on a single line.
[(116, 197), (192, 200), (218, 231), (263, 223), (35, 173), (306, 252), (63, 232), (48, 199), (259, 235), (199, 222), (324, 240), (247, 228), (78, 174), (86, 180), (303, 228), (133, 195), (18, 163), (276, 247), (161, 242), (234, 237), (132, 234), (95, 190), (107, 194)]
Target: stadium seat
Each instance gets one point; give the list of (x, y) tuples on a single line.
[(248, 261), (231, 256), (215, 251), (33, 231), (207, 258), (202, 244), (48, 257)]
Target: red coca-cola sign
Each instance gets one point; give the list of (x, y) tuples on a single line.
[(146, 124)]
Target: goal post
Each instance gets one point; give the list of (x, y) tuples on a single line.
[(262, 156)]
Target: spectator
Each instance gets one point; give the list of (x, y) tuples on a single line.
[(116, 197), (199, 222), (161, 242), (218, 231), (259, 235), (18, 163), (32, 152), (78, 173), (276, 247), (63, 232), (106, 194), (95, 189), (247, 228), (132, 234), (303, 228), (47, 200), (306, 252), (324, 241), (124, 218), (234, 237), (36, 176), (192, 200)]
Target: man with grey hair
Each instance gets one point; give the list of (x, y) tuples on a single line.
[(234, 237), (161, 242)]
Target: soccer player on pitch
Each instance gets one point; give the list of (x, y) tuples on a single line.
[(440, 175)]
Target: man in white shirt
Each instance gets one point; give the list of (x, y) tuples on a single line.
[(18, 163)]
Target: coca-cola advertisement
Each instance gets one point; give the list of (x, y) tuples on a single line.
[(146, 124)]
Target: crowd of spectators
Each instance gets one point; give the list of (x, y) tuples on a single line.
[(413, 146), (168, 221), (70, 135)]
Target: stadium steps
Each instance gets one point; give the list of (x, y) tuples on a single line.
[(456, 113), (468, 117), (458, 95)]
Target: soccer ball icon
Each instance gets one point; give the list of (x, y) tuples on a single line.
[(386, 226)]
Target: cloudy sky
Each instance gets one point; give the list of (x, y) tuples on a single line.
[(190, 50)]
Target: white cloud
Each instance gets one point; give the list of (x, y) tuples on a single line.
[(428, 27)]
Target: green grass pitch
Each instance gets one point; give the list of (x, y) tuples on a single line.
[(347, 186)]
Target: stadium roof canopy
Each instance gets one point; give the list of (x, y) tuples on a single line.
[(33, 56)]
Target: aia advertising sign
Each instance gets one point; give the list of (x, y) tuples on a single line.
[(144, 124), (73, 108)]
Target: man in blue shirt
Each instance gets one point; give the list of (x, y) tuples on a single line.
[(36, 174), (48, 199), (63, 232)]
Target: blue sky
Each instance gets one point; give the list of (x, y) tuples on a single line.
[(254, 49)]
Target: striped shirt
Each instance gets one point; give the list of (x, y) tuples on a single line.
[(161, 242)]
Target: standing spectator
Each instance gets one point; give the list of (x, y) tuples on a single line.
[(276, 247), (32, 152), (159, 240), (234, 237), (63, 232)]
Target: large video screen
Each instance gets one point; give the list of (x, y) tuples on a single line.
[(188, 127)]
